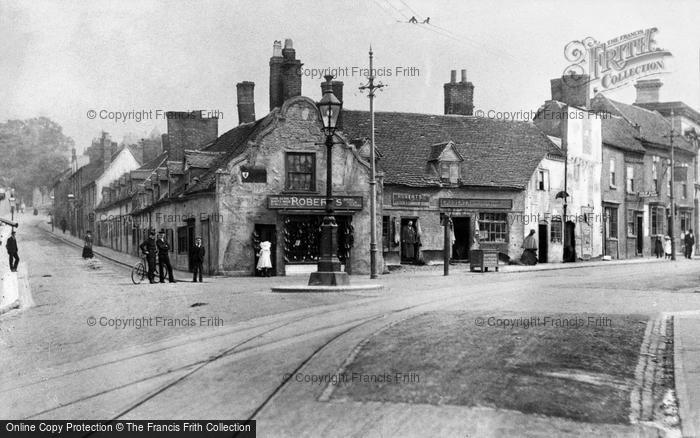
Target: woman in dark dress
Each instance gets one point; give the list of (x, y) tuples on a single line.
[(87, 249)]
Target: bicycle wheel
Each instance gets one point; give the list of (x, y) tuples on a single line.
[(138, 273)]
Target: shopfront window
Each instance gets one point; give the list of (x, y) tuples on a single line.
[(631, 223), (656, 219), (302, 235), (493, 227), (611, 216), (685, 220), (555, 230), (301, 172)]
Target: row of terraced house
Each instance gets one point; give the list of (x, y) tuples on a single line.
[(495, 179)]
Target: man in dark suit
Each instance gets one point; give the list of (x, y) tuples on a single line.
[(164, 258), (689, 241), (197, 257), (150, 250), (11, 246)]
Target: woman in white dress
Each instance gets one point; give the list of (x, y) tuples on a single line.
[(264, 262)]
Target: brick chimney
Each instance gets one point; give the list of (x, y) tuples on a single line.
[(291, 72), (337, 88), (648, 90), (459, 96), (106, 142), (276, 62), (246, 102), (189, 130), (572, 89)]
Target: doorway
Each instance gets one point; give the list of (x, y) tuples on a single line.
[(640, 234), (206, 241), (570, 242), (462, 230), (265, 232), (542, 243), (408, 240), (190, 240)]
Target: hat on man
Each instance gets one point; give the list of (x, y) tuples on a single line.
[(162, 231)]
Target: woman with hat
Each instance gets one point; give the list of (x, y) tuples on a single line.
[(87, 247)]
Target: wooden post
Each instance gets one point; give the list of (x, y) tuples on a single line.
[(446, 250)]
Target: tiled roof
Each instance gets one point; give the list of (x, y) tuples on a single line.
[(496, 153), (618, 133), (653, 127), (679, 108), (201, 159), (175, 167), (155, 162)]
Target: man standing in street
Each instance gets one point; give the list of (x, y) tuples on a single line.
[(197, 257), (150, 250), (11, 246), (689, 241), (164, 258)]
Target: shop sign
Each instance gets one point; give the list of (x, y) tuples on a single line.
[(301, 202), (476, 203), (253, 174), (647, 194), (410, 199)]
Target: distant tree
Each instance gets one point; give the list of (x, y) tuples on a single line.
[(32, 154)]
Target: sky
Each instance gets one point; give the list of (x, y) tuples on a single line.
[(62, 59)]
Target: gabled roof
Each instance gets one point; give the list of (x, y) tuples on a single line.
[(653, 127), (618, 133), (436, 150), (679, 109), (497, 153)]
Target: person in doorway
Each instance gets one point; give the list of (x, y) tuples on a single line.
[(87, 247), (689, 241), (529, 256), (264, 261), (64, 225), (197, 255), (11, 246), (667, 247), (658, 247), (408, 240), (417, 245), (150, 250), (164, 258)]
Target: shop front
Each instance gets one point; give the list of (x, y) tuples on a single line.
[(300, 218)]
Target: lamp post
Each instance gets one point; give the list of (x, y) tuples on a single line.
[(329, 273)]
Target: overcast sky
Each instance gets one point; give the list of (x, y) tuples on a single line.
[(61, 59)]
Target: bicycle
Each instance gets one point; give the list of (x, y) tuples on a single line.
[(140, 270)]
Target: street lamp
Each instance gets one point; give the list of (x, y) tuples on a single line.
[(329, 273)]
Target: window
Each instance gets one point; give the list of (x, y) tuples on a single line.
[(655, 176), (301, 172), (449, 171), (684, 193), (493, 227), (630, 179), (612, 173), (631, 223), (169, 239), (685, 220), (182, 240), (656, 217), (555, 230), (611, 216), (541, 180)]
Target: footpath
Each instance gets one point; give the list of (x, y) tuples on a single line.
[(686, 324)]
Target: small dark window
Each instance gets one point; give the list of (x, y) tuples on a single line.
[(555, 230)]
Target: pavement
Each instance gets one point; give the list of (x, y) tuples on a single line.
[(330, 324)]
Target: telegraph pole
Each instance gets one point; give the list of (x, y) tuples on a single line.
[(673, 204), (373, 178)]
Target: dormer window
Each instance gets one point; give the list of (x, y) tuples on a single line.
[(449, 171), (447, 161)]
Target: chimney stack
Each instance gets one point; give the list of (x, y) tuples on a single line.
[(106, 141), (291, 72), (276, 76), (572, 89), (246, 102), (459, 96), (648, 90)]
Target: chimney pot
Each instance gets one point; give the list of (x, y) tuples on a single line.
[(464, 76), (459, 97), (288, 43), (277, 49), (453, 76)]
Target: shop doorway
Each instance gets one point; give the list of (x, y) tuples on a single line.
[(543, 244), (190, 241), (463, 239), (570, 242), (206, 241), (640, 234), (264, 232), (408, 240)]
